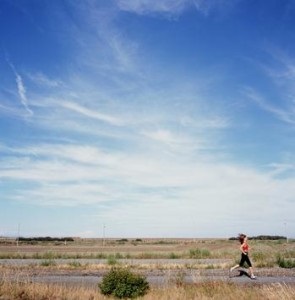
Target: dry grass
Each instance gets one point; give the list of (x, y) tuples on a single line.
[(161, 248), (40, 291), (264, 252), (202, 291), (263, 255), (71, 267)]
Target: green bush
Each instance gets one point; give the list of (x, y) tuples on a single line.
[(263, 259), (259, 256), (122, 283), (285, 263), (199, 253), (75, 264), (172, 255), (48, 263), (112, 260), (119, 256), (49, 255)]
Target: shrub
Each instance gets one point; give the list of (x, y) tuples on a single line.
[(119, 256), (122, 241), (75, 264), (100, 256), (199, 253), (48, 263), (48, 255), (172, 255), (112, 260), (122, 283), (263, 259), (259, 256), (285, 263)]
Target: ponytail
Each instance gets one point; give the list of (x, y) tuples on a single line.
[(241, 237)]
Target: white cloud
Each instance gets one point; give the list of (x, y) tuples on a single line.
[(69, 175), (137, 146), (11, 111), (21, 90), (41, 79), (285, 114), (90, 113), (165, 136), (172, 141), (147, 6), (283, 66), (278, 98), (217, 196), (172, 7), (111, 51), (22, 93), (210, 122), (279, 169)]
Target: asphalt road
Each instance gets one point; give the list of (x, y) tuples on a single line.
[(155, 276), (156, 280)]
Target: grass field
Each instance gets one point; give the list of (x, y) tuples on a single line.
[(209, 290), (140, 248), (264, 254)]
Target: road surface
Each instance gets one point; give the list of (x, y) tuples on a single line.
[(156, 276)]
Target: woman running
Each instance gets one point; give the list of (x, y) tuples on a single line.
[(245, 255)]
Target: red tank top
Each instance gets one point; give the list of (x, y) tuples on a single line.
[(245, 247)]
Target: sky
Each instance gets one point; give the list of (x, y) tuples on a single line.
[(142, 118)]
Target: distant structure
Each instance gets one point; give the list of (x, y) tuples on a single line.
[(103, 235)]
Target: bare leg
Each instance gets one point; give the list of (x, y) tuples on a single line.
[(251, 271), (234, 267)]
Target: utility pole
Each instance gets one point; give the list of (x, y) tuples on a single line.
[(285, 223), (103, 235), (18, 231)]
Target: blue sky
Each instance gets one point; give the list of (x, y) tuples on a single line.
[(168, 118)]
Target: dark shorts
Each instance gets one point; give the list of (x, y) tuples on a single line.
[(245, 259)]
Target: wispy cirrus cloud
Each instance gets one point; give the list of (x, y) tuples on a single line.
[(21, 90), (90, 113), (112, 50), (171, 7), (11, 111), (146, 6), (120, 136), (43, 80), (280, 71), (177, 142), (282, 67), (279, 169), (283, 112), (210, 122)]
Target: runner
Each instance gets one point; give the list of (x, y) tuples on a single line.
[(244, 255)]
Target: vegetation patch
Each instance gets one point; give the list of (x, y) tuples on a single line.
[(48, 263), (199, 253), (264, 238), (45, 239), (285, 263), (75, 264), (112, 260), (122, 283)]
